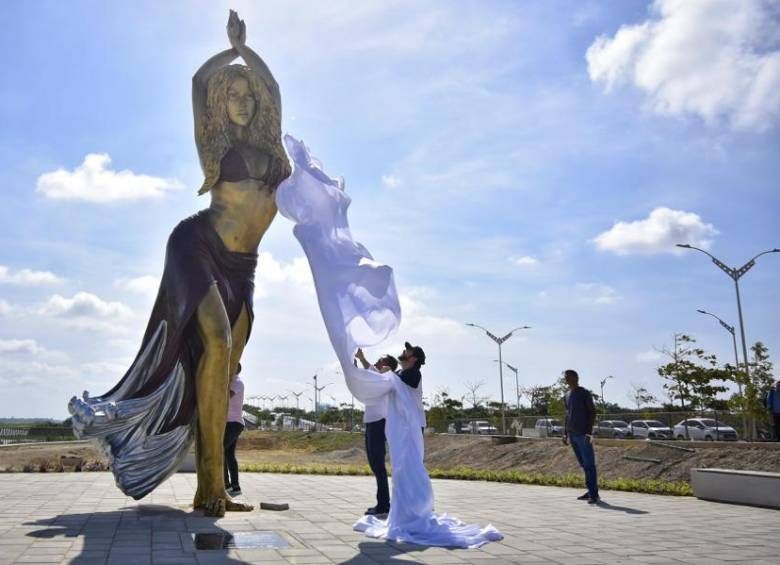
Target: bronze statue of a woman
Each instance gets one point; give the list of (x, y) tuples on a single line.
[(176, 390)]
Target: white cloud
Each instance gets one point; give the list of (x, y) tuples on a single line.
[(84, 304), (92, 181), (27, 373), (526, 261), (649, 356), (28, 277), (391, 181), (273, 273), (20, 346), (5, 307), (146, 284), (87, 311), (418, 322), (12, 348), (596, 293), (716, 59), (658, 233)]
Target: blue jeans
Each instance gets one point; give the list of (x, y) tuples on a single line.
[(583, 450)]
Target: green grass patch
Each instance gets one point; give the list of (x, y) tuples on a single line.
[(467, 474), (307, 469), (312, 442)]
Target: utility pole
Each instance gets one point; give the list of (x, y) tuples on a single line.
[(729, 328), (603, 401)]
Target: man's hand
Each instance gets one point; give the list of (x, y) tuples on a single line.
[(565, 439), (589, 437), (359, 355)]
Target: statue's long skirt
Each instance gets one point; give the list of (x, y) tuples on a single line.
[(146, 423)]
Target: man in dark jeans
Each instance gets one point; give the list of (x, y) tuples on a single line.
[(374, 420), (580, 416)]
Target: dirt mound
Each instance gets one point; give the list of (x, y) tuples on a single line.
[(443, 451), (552, 457)]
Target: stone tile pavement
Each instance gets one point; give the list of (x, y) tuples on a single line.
[(83, 518)]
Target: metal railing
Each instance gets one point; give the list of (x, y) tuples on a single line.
[(32, 433)]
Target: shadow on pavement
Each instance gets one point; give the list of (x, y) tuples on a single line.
[(383, 552), (123, 534), (626, 509)]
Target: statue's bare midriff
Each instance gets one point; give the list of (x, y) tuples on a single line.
[(241, 213)]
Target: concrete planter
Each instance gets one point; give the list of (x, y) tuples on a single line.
[(754, 488)]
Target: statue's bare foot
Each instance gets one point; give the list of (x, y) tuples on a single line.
[(214, 508), (197, 503), (233, 506)]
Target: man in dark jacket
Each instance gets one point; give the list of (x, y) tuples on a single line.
[(580, 415), (773, 407)]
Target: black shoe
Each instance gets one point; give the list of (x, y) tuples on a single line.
[(234, 491), (595, 500), (585, 496), (377, 511)]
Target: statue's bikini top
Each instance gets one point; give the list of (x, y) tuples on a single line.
[(233, 168)]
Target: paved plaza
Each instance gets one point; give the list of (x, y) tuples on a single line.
[(83, 518)]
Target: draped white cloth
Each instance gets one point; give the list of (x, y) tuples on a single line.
[(359, 305)]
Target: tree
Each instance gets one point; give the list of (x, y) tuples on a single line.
[(539, 397), (758, 384), (444, 410), (473, 395), (641, 396), (547, 400), (691, 375)]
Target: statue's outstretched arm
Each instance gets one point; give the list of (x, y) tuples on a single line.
[(201, 79), (237, 35)]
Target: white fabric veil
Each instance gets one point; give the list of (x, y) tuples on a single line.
[(359, 305)]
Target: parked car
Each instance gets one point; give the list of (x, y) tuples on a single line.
[(705, 429), (482, 427), (650, 429), (617, 429), (549, 427)]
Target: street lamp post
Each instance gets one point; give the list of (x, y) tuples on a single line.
[(603, 402), (735, 274), (729, 328), (297, 396), (500, 341), (317, 390), (517, 382)]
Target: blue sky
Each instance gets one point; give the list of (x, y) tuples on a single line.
[(515, 162)]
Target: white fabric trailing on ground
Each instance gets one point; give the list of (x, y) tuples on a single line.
[(359, 305)]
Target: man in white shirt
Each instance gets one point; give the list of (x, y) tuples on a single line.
[(233, 429), (374, 420)]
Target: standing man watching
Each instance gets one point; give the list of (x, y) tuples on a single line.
[(374, 420), (580, 416), (773, 407)]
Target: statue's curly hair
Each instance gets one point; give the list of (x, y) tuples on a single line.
[(215, 133)]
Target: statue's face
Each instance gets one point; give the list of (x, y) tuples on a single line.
[(241, 102)]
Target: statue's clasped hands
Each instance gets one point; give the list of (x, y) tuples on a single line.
[(236, 30)]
